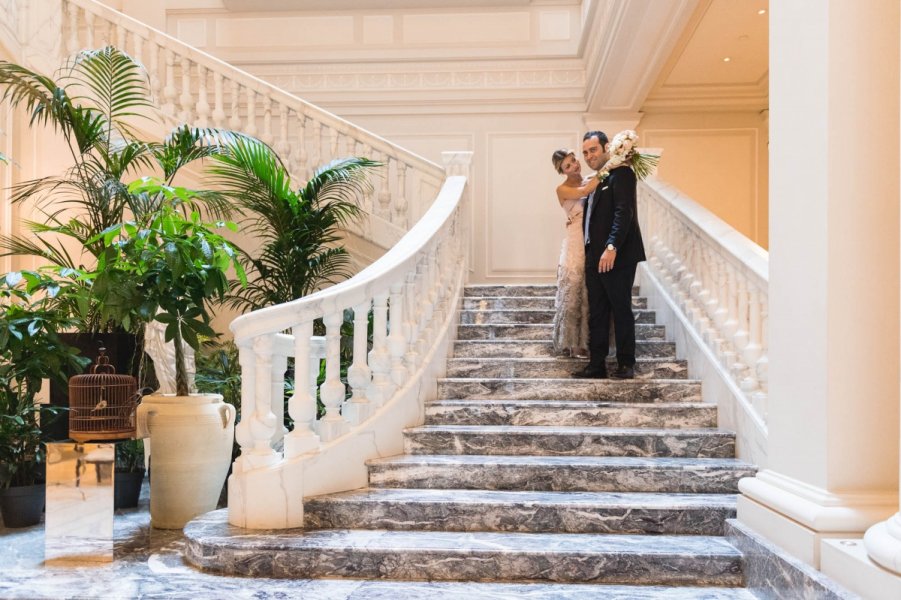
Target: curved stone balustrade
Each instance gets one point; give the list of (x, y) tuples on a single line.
[(413, 292), (193, 87), (718, 279)]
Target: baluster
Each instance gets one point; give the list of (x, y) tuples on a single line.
[(72, 45), (203, 105), (243, 433), (379, 357), (186, 99), (234, 121), (342, 146), (730, 325), (315, 145), (89, 29), (333, 143), (169, 92), (277, 382), (138, 43), (302, 405), (385, 191), (400, 202), (752, 351), (741, 336), (121, 40), (218, 101), (250, 127), (359, 375), (263, 423), (267, 119), (397, 341), (154, 71), (298, 157), (317, 355), (332, 390), (411, 321), (282, 147)]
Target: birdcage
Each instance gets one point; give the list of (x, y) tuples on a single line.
[(102, 404)]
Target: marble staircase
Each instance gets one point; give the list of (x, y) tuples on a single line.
[(523, 477)]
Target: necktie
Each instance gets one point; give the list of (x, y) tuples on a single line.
[(590, 202)]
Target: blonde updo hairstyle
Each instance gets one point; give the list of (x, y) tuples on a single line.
[(558, 158)]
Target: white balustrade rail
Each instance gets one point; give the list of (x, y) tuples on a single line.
[(193, 87), (413, 292), (719, 281)]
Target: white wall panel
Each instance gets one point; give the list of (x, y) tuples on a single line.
[(285, 31), (523, 223), (462, 28)]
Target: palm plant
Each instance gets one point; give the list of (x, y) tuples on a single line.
[(92, 105), (298, 230)]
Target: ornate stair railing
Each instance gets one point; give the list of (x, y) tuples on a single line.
[(193, 87), (718, 280), (413, 292)]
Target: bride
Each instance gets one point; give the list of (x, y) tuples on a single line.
[(571, 303)]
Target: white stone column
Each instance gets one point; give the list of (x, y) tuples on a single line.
[(883, 540), (834, 261)]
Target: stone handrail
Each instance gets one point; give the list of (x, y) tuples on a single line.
[(719, 280), (412, 292), (193, 87)]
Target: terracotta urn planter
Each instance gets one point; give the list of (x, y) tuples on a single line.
[(190, 451)]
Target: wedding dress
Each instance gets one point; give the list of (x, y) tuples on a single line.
[(571, 303)]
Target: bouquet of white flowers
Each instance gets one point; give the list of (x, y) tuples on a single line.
[(622, 150)]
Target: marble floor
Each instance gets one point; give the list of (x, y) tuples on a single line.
[(148, 563)]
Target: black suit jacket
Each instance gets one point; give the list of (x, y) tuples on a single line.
[(614, 219)]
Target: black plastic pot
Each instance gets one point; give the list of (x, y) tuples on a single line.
[(22, 506), (127, 488)]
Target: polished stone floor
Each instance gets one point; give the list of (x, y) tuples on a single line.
[(148, 563)]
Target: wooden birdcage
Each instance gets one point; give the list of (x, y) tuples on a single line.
[(102, 404)]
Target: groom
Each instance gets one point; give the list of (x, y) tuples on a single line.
[(613, 249)]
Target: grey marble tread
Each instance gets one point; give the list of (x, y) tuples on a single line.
[(542, 440), (509, 317), (542, 331), (522, 511), (570, 412), (492, 289), (560, 473), (610, 390), (213, 544), (558, 368), (517, 302), (539, 349)]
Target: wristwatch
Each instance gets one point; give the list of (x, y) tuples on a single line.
[(611, 247)]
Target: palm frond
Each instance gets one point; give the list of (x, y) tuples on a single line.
[(115, 84)]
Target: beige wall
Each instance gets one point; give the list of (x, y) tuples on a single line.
[(719, 159)]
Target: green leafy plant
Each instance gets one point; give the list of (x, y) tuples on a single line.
[(93, 104), (299, 231), (166, 269), (130, 456), (30, 351)]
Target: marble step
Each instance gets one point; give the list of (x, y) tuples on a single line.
[(530, 315), (542, 349), (544, 440), (517, 290), (524, 302), (539, 331), (524, 512), (558, 368), (211, 544), (609, 390), (569, 412), (560, 473)]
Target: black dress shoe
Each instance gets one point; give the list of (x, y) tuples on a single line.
[(590, 372), (623, 372)]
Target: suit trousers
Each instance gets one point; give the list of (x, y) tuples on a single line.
[(608, 293)]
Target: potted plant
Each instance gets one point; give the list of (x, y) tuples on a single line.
[(167, 268), (30, 351), (93, 103), (129, 473)]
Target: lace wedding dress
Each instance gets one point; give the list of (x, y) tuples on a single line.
[(571, 304)]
